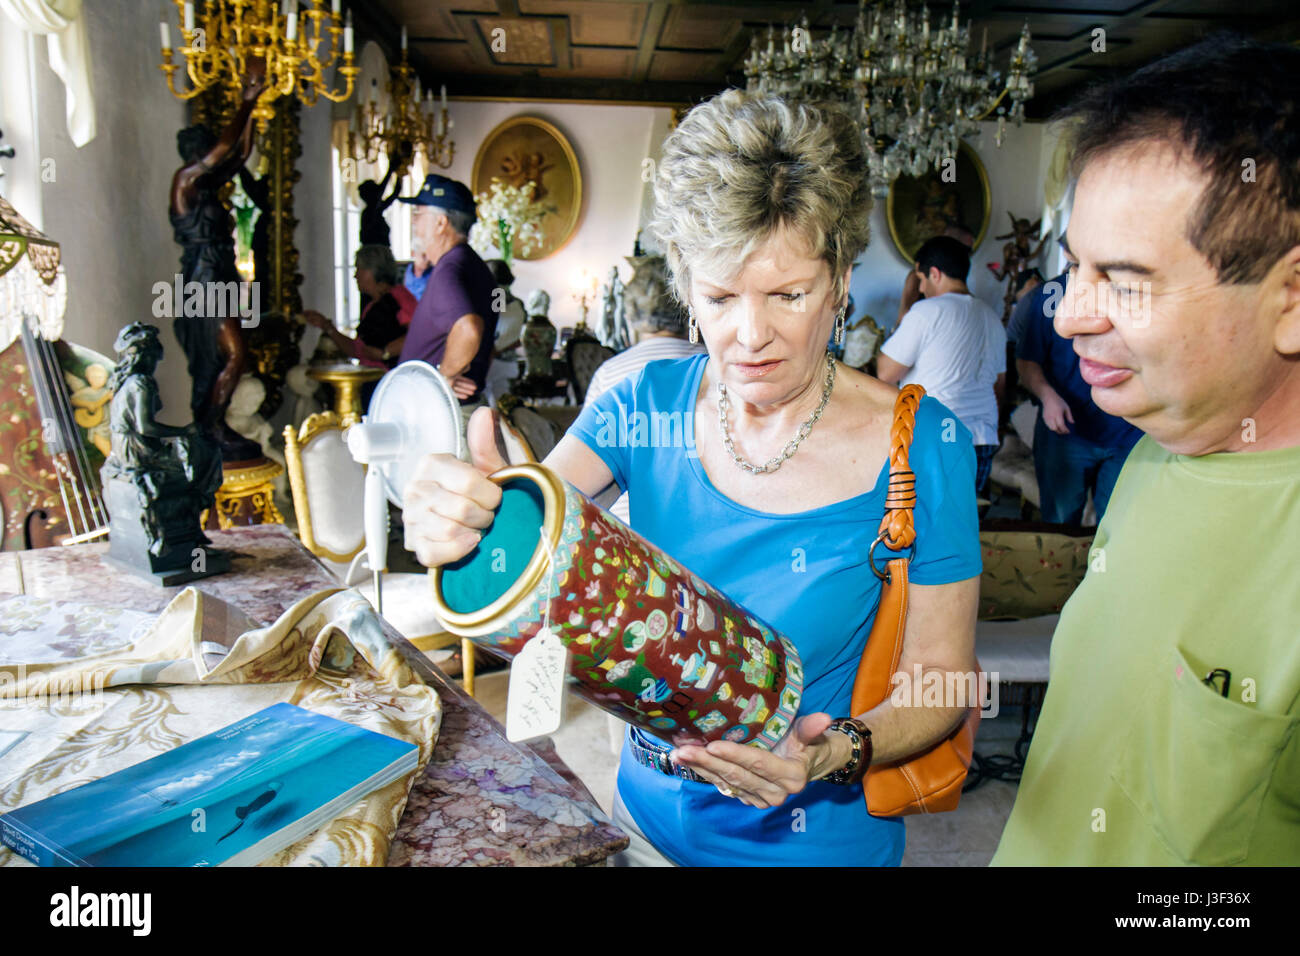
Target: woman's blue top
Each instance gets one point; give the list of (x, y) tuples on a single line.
[(805, 574)]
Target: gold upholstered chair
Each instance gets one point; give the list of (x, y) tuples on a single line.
[(328, 487), (525, 431), (518, 451)]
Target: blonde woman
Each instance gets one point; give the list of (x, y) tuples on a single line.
[(761, 208)]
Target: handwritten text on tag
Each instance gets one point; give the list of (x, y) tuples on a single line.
[(535, 699)]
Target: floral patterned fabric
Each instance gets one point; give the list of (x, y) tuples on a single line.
[(86, 691), (1029, 573)]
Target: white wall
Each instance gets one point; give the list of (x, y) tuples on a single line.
[(610, 142), (107, 204)]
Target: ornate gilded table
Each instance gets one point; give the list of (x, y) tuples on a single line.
[(482, 801), (346, 379), (246, 495)]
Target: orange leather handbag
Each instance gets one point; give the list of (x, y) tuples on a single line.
[(929, 781)]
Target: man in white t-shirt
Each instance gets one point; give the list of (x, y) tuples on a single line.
[(953, 345)]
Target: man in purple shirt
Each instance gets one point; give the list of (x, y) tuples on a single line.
[(454, 325)]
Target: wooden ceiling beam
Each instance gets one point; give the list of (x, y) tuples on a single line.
[(650, 30), (478, 50), (614, 92), (1138, 22)]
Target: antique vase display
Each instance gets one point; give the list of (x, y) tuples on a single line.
[(648, 640), (538, 337)]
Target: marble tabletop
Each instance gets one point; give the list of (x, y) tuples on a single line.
[(482, 800)]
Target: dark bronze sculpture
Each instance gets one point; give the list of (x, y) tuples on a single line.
[(1016, 258), (374, 227), (158, 478), (213, 344)]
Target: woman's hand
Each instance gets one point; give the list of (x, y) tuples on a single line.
[(449, 502), (765, 779)]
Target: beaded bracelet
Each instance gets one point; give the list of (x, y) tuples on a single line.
[(859, 735)]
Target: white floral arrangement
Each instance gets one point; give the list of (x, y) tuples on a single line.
[(509, 221)]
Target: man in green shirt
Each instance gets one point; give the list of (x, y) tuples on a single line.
[(1170, 733)]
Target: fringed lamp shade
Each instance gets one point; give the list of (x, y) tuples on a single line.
[(32, 282)]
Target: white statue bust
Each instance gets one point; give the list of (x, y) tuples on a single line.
[(242, 415), (539, 302)]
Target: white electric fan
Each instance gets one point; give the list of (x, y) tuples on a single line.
[(413, 413)]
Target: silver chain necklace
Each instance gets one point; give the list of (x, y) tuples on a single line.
[(791, 446)]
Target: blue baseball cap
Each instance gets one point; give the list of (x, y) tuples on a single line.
[(445, 194)]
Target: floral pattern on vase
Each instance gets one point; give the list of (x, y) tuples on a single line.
[(653, 644)]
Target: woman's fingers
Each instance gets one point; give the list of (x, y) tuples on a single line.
[(484, 439), (434, 554), (457, 508), (731, 788), (765, 782), (446, 505), (451, 474)]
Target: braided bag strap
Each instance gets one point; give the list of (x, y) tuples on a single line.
[(897, 530)]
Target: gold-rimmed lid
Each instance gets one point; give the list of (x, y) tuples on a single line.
[(464, 597)]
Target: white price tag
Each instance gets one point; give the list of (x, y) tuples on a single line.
[(535, 698)]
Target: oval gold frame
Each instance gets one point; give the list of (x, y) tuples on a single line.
[(571, 227), (984, 189)]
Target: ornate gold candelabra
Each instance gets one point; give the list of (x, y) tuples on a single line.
[(410, 124), (224, 35), (585, 293)]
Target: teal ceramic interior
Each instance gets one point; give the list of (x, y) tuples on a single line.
[(487, 572)]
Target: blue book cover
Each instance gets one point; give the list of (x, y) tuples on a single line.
[(231, 798)]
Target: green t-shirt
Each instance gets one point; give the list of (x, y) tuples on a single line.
[(1135, 761)]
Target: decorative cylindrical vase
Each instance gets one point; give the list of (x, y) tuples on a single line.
[(648, 640)]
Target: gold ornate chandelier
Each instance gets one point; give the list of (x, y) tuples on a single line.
[(299, 46), (410, 124), (915, 88)]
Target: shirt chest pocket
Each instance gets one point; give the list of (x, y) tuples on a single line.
[(1197, 765)]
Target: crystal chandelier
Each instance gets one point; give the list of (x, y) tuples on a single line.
[(299, 46), (915, 89), (411, 124)]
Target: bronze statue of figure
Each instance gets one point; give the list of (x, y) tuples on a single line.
[(1016, 258), (159, 478), (213, 344), (374, 227)]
